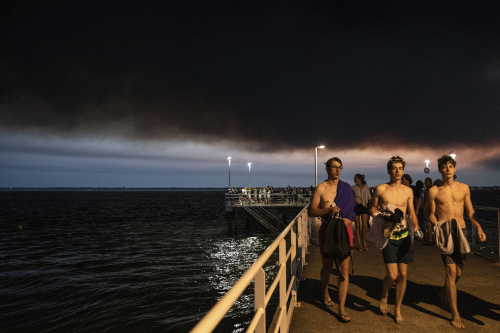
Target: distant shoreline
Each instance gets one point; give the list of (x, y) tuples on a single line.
[(218, 189), (113, 189)]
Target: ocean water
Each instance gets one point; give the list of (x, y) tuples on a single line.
[(115, 261), (134, 261)]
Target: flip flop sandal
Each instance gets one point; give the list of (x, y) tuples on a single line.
[(344, 318), (328, 302)]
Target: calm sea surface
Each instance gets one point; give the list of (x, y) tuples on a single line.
[(114, 261), (108, 261)]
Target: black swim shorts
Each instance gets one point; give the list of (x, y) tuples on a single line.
[(398, 251)]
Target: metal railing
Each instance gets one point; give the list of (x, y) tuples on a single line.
[(274, 199), (299, 230), (486, 217)]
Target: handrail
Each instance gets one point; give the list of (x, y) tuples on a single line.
[(241, 199), (299, 230), (473, 245)]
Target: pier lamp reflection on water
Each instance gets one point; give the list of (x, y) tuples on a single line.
[(230, 259)]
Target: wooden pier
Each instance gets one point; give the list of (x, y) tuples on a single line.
[(478, 295), (273, 215)]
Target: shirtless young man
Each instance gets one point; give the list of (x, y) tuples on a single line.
[(398, 252), (332, 197), (448, 201)]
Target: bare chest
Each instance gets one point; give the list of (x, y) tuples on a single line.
[(328, 198), (449, 196), (397, 197)]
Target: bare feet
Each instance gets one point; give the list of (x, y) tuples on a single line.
[(457, 322), (328, 302), (383, 306), (398, 317)]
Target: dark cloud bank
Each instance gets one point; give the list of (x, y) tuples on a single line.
[(273, 75)]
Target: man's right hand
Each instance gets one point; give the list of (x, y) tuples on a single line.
[(482, 235), (334, 210)]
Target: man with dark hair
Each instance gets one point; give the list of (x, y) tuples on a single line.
[(332, 197), (448, 201), (407, 180), (391, 198)]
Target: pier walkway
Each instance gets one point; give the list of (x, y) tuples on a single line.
[(478, 295)]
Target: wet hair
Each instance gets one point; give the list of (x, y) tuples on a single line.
[(330, 161), (408, 178), (395, 159), (419, 184), (361, 177), (445, 159)]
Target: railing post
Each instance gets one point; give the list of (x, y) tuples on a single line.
[(293, 259), (260, 299), (498, 226), (282, 286), (305, 237), (473, 243)]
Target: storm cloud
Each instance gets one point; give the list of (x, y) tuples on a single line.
[(264, 75)]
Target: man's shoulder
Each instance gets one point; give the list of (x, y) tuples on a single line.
[(462, 187), (408, 189), (381, 187), (321, 187), (432, 190)]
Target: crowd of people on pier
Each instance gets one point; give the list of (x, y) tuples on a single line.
[(400, 212), (289, 195)]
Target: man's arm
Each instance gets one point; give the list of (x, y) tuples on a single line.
[(373, 204), (411, 212), (470, 213), (314, 206), (430, 204)]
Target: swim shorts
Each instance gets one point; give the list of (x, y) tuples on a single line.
[(398, 250), (456, 257)]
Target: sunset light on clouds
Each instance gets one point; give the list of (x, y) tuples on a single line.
[(158, 94)]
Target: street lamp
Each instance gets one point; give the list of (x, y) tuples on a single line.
[(453, 157), (249, 165), (426, 170), (316, 164), (229, 160)]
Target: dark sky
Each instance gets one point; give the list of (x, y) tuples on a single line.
[(266, 76), (265, 71)]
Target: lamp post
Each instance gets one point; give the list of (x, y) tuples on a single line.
[(453, 157), (229, 160), (426, 169), (316, 164), (249, 165)]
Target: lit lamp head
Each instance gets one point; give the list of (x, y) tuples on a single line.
[(453, 157)]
